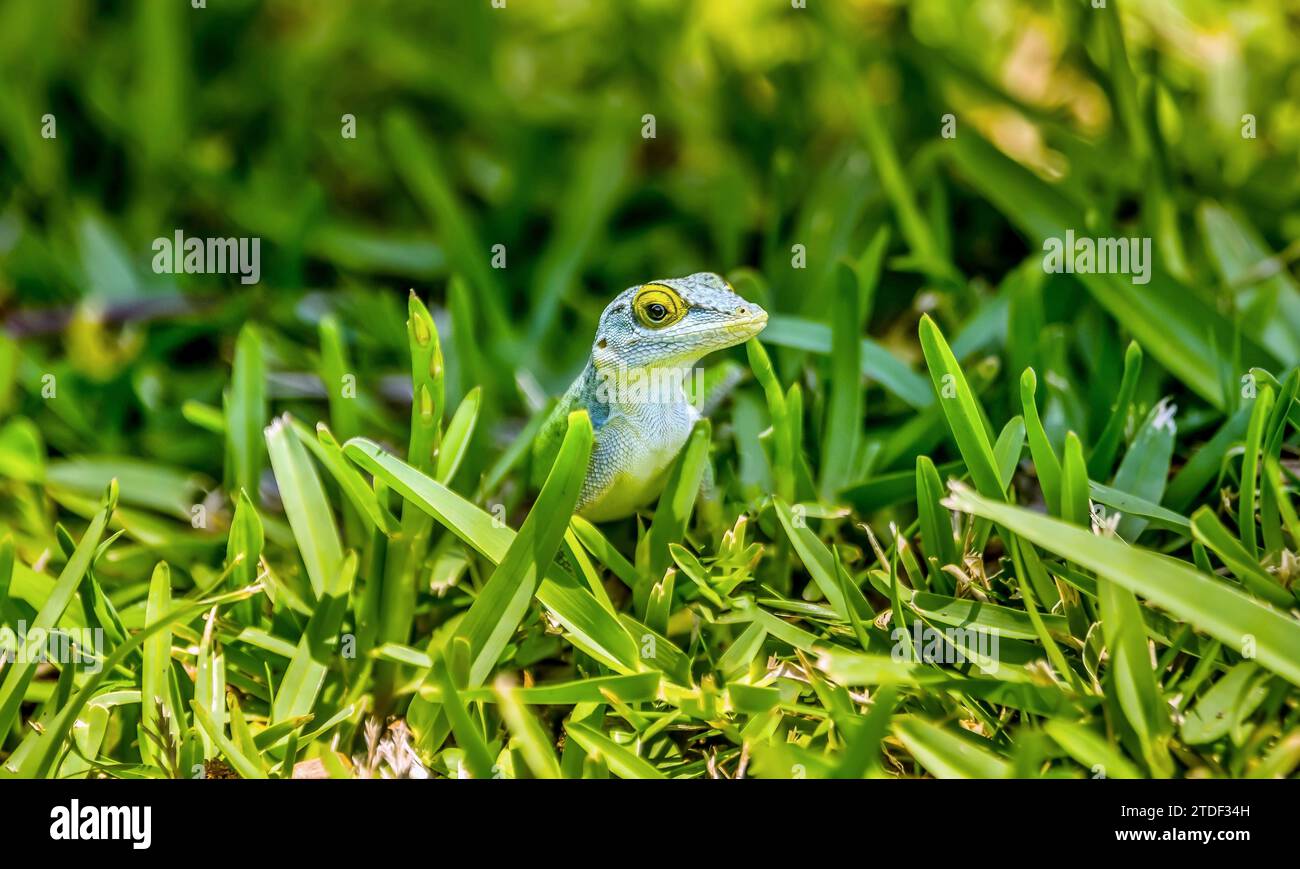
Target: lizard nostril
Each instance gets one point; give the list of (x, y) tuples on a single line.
[(742, 311), (601, 344)]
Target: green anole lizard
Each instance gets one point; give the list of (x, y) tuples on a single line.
[(633, 386)]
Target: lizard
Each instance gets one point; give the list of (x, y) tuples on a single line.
[(647, 342)]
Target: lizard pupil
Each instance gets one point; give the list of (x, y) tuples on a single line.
[(656, 311)]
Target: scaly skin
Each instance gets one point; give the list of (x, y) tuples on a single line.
[(632, 386)]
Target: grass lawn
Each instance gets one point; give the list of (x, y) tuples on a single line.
[(1007, 487)]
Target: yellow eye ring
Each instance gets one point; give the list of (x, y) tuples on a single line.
[(657, 306)]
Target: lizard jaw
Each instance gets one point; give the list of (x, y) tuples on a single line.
[(738, 331), (750, 327)]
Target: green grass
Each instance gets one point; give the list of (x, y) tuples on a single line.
[(303, 516)]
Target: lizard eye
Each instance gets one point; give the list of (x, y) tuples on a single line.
[(657, 306)]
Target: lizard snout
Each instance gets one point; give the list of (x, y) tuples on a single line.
[(747, 321), (750, 313)]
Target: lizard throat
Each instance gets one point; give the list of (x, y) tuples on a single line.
[(635, 390)]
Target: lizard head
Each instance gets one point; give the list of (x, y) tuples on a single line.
[(674, 322)]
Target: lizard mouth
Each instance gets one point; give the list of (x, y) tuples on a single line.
[(748, 327)]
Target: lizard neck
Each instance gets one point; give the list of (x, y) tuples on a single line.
[(636, 391)]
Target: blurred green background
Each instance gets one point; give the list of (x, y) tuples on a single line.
[(524, 126)]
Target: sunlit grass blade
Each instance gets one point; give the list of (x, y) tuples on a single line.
[(19, 673), (1046, 465), (355, 488), (534, 744), (405, 551), (623, 762), (241, 763), (1074, 484), (317, 648), (634, 688), (157, 662), (1158, 516), (244, 549), (1132, 674), (1250, 470), (1212, 534), (1090, 749), (50, 742), (960, 408), (946, 754), (339, 377), (936, 523), (844, 411), (819, 561), (590, 625), (478, 758), (603, 551), (783, 450), (675, 507), (1102, 458), (456, 440), (1209, 604), (496, 612), (307, 508), (246, 412)]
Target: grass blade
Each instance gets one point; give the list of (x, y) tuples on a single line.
[(675, 506), (946, 754), (496, 612), (622, 762), (19, 674), (308, 509), (534, 744), (1250, 469), (1102, 459), (1207, 603), (246, 412), (1046, 465), (961, 409), (594, 629), (844, 410)]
